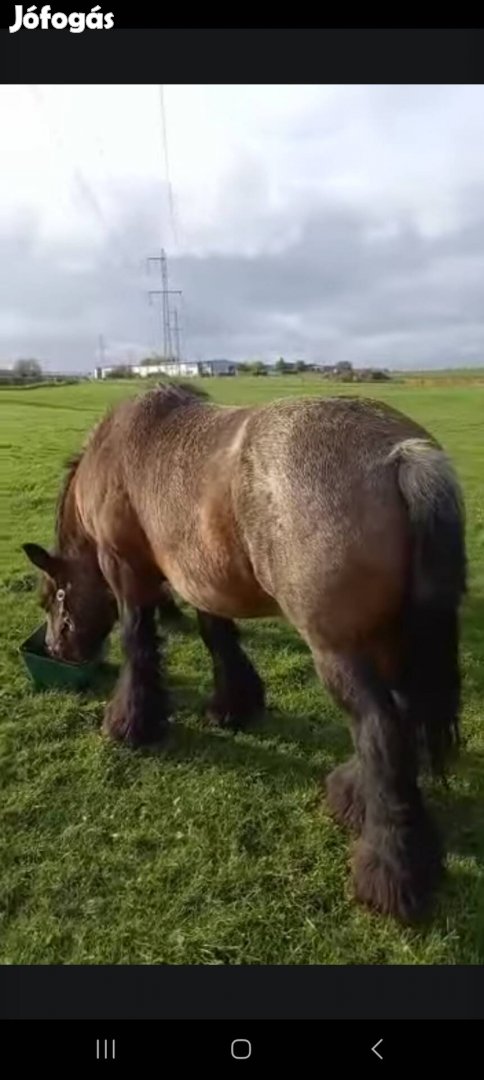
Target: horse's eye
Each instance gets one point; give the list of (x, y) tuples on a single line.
[(60, 595)]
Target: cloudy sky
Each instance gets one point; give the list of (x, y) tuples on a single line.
[(319, 222)]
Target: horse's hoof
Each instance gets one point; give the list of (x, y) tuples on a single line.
[(344, 794), (218, 717), (124, 725), (397, 873), (225, 715)]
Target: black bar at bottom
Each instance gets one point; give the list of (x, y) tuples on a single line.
[(244, 993)]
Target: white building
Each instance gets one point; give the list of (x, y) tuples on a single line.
[(185, 368), (172, 368)]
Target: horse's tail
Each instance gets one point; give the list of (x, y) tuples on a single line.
[(431, 683)]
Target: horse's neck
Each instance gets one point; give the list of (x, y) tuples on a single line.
[(71, 538)]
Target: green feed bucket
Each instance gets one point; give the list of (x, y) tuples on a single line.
[(47, 673)]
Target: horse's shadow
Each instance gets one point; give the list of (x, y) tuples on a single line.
[(461, 814), (267, 748), (293, 749)]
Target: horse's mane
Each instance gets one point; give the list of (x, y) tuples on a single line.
[(72, 466), (170, 394), (179, 393)]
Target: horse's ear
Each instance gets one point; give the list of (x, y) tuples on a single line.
[(42, 559)]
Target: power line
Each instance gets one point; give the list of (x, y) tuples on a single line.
[(178, 316), (164, 137)]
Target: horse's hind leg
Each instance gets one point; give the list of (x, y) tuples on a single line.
[(397, 861), (239, 691), (344, 786)]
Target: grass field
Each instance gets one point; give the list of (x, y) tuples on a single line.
[(219, 849)]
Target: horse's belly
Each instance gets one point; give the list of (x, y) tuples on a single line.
[(219, 590)]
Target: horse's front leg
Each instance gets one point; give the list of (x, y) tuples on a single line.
[(168, 608), (239, 691), (138, 711)]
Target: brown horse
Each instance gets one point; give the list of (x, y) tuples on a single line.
[(340, 514)]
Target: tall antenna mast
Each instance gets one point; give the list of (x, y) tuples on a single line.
[(101, 350), (176, 331), (164, 293)]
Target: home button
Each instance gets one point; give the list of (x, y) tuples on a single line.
[(241, 1049)]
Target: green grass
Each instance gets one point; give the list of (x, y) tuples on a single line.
[(218, 849)]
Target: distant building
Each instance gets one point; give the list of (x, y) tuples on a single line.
[(173, 368), (217, 367), (185, 368)]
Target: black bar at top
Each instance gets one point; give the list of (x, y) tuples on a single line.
[(264, 56)]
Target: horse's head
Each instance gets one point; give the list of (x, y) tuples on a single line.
[(80, 608)]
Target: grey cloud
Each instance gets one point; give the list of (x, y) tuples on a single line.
[(333, 286)]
